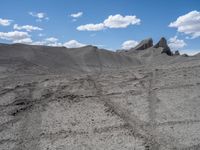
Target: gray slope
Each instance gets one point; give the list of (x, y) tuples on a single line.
[(141, 100), (60, 59)]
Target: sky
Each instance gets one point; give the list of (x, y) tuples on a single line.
[(113, 24)]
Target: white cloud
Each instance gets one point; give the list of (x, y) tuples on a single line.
[(55, 42), (73, 44), (40, 16), (175, 43), (188, 24), (5, 22), (116, 21), (24, 41), (38, 43), (14, 35), (51, 39), (129, 44), (91, 27), (77, 15), (28, 28)]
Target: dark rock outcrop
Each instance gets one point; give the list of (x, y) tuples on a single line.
[(144, 44), (163, 44), (185, 55), (176, 53)]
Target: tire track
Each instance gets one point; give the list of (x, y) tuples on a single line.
[(181, 122), (139, 128), (31, 126), (152, 100), (146, 131)]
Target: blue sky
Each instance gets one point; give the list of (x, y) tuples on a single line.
[(55, 24)]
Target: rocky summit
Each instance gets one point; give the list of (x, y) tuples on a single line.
[(57, 98), (163, 44), (147, 43)]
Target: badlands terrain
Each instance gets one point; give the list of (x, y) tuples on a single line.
[(56, 98)]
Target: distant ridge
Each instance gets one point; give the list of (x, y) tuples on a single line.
[(21, 58)]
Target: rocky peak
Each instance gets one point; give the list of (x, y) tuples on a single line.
[(144, 44), (177, 53), (163, 44), (185, 55)]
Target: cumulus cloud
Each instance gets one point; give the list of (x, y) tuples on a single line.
[(175, 43), (118, 21), (77, 15), (188, 24), (28, 28), (129, 44), (16, 37), (38, 43), (24, 41), (113, 21), (52, 41), (5, 22), (40, 16), (73, 44), (91, 27)]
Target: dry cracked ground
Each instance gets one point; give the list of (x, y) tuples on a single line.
[(144, 107)]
